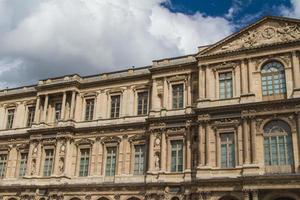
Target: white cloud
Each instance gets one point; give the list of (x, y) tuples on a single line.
[(55, 37), (294, 11)]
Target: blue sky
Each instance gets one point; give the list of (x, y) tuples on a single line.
[(245, 11), (48, 38)]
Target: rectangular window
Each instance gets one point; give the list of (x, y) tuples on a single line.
[(177, 156), (48, 163), (227, 150), (57, 111), (23, 164), (142, 103), (139, 159), (110, 161), (3, 160), (30, 116), (225, 85), (89, 109), (115, 106), (177, 96), (84, 162), (10, 118)]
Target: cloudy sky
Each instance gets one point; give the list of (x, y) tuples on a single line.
[(47, 38)]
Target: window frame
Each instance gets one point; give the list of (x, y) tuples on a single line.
[(172, 85), (10, 125), (91, 117), (281, 81), (30, 118), (45, 148), (110, 145), (111, 115), (227, 143), (4, 169), (83, 147), (287, 146), (226, 80), (177, 156), (18, 174), (137, 102), (173, 136)]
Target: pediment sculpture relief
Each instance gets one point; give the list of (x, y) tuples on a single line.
[(266, 34)]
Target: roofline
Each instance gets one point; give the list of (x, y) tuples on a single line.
[(245, 28)]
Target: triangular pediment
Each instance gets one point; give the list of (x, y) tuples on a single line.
[(265, 32)]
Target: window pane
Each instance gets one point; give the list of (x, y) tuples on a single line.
[(84, 162), (177, 96), (115, 106), (139, 159), (23, 164), (177, 156), (48, 163), (110, 161), (225, 85), (89, 109), (142, 103), (227, 150), (10, 118), (3, 160), (30, 117)]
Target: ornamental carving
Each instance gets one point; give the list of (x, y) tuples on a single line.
[(268, 33), (111, 139), (84, 141), (138, 137)]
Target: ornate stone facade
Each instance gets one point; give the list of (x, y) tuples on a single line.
[(165, 131)]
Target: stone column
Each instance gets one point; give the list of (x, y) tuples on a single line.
[(63, 106), (68, 157), (244, 75), (207, 156), (296, 69), (201, 83), (245, 141), (163, 151), (189, 91), (298, 132), (151, 153), (166, 94), (37, 110), (207, 83), (201, 160), (45, 108), (188, 148), (253, 140), (154, 96), (72, 109)]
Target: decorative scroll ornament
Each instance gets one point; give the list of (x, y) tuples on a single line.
[(269, 33)]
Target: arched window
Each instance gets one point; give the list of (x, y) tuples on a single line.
[(273, 79), (278, 143)]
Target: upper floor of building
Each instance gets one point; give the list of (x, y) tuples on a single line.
[(260, 63)]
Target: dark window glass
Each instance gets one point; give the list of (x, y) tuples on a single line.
[(48, 162), (10, 118), (142, 103), (30, 116), (115, 106), (273, 79), (177, 156), (57, 111), (139, 159), (225, 85), (227, 150), (177, 96), (84, 162), (89, 109)]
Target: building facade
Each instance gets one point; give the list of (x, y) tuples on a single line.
[(221, 124)]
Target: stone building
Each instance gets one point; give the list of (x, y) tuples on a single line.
[(221, 124)]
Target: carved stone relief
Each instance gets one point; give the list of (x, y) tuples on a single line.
[(268, 33)]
